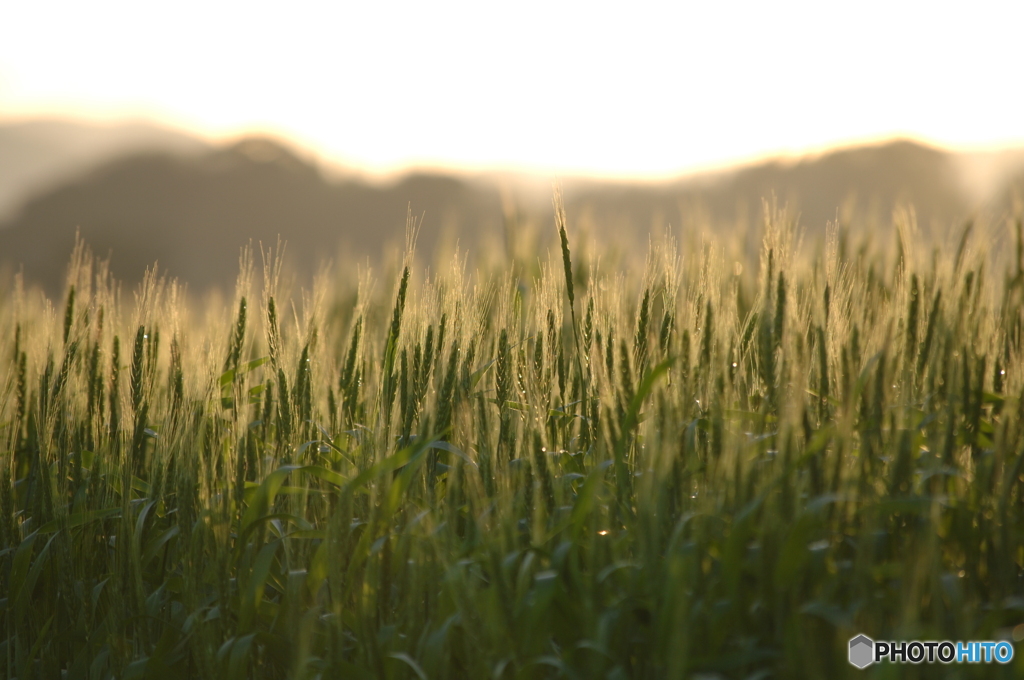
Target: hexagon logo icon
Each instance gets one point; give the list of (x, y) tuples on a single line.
[(862, 651)]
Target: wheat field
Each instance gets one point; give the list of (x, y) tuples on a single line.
[(720, 464)]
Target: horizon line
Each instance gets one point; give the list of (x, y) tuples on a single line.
[(332, 163)]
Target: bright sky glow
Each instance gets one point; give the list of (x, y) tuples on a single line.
[(595, 88)]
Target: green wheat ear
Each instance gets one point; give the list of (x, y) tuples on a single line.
[(388, 380), (564, 239), (136, 370), (588, 324), (666, 332), (284, 409), (115, 387), (640, 337), (911, 343), (69, 313), (237, 339), (273, 335), (567, 270), (780, 312)]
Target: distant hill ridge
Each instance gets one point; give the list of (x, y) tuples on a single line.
[(192, 211), (869, 179), (36, 155), (192, 214)]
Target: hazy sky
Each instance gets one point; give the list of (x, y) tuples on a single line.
[(601, 88)]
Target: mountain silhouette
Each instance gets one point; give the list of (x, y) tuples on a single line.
[(193, 212), (864, 183), (192, 215), (36, 155)]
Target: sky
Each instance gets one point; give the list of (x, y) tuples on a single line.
[(603, 89)]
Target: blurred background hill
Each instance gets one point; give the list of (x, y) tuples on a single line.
[(143, 194), (37, 155)]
